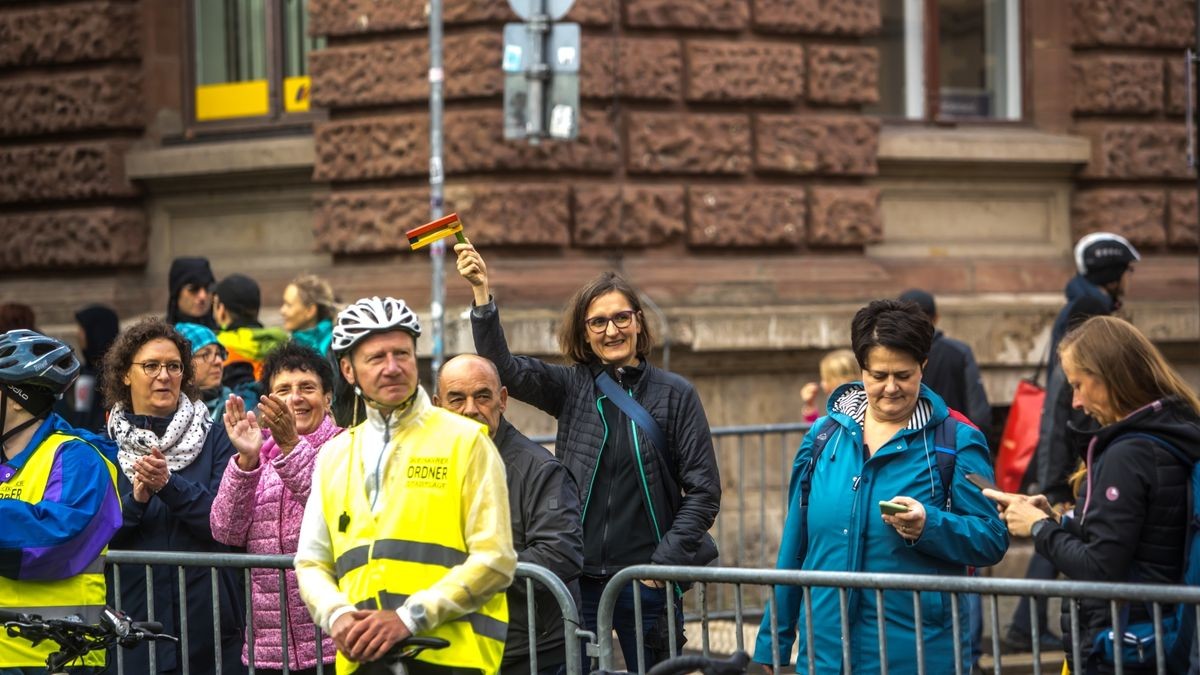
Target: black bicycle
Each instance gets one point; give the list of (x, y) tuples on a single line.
[(678, 665), (76, 639)]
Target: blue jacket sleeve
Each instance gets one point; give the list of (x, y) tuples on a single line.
[(971, 533), (788, 599), (191, 501), (61, 535)]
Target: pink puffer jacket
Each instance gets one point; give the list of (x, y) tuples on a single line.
[(261, 510)]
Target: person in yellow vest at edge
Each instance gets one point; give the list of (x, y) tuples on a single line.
[(407, 529), (58, 500)]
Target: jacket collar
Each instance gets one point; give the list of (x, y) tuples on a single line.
[(399, 418), (848, 403)]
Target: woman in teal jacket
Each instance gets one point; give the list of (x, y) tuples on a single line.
[(882, 438)]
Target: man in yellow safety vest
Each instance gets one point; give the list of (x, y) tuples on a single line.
[(407, 528)]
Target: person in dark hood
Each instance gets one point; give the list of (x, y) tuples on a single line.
[(83, 405), (190, 282), (1104, 262), (1131, 517)]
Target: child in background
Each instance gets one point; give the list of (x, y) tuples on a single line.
[(837, 368)]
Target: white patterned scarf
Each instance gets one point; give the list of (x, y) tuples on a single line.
[(181, 442)]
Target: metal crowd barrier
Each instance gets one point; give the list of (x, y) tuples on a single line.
[(1039, 591), (526, 573)]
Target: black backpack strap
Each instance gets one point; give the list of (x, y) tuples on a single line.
[(820, 440), (945, 453)]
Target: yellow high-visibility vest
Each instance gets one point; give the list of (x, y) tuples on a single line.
[(412, 542), (81, 595)]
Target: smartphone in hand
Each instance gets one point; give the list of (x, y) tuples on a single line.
[(981, 481), (892, 508)]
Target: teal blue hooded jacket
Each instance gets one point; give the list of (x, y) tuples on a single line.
[(846, 533)]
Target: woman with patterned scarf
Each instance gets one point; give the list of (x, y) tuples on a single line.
[(172, 457), (261, 500)]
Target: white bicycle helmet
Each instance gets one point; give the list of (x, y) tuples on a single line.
[(373, 315), (1101, 251)]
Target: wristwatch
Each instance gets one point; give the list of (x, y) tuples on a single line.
[(1039, 525)]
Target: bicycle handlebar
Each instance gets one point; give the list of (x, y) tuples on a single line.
[(75, 639)]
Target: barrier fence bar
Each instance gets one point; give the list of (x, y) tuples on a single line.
[(847, 582)]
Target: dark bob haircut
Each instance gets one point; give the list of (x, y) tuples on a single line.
[(897, 325), (572, 333), (294, 356), (119, 359)]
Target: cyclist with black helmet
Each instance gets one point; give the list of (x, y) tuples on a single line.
[(58, 498), (406, 530)]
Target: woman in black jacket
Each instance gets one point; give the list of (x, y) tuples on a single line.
[(641, 503), (1131, 519)]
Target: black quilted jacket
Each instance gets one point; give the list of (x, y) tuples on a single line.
[(1135, 523), (569, 394)]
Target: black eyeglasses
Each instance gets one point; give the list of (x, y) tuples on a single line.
[(152, 368), (599, 324)]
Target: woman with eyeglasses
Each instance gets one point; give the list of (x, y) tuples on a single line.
[(644, 501), (208, 364), (172, 458)]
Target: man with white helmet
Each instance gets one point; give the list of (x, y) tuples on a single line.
[(406, 530), (1103, 262), (58, 497)]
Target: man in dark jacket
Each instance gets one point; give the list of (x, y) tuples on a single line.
[(952, 371), (544, 502)]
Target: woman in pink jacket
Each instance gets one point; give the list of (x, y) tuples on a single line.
[(261, 499)]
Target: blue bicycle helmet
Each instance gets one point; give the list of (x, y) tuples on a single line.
[(35, 360)]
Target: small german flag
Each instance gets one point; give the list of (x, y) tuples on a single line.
[(422, 236)]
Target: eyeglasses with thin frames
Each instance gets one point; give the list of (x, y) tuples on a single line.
[(152, 368), (599, 324), (208, 356)]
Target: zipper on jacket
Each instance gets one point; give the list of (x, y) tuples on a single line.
[(608, 497), (603, 442), (637, 453)]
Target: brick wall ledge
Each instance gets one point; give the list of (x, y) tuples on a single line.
[(987, 148), (221, 160)]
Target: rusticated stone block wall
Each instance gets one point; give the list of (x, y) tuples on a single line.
[(1129, 99), (706, 124), (70, 106)]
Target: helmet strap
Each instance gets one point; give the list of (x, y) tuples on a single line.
[(7, 435)]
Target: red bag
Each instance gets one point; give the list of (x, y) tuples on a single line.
[(1020, 438)]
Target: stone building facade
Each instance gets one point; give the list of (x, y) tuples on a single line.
[(730, 161)]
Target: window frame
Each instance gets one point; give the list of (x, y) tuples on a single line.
[(927, 95), (277, 118)]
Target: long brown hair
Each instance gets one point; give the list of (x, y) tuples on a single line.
[(572, 333), (1131, 368)]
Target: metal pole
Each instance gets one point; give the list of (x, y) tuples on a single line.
[(538, 27), (437, 250)]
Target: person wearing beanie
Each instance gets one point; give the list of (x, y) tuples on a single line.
[(190, 285), (236, 301), (1103, 263), (208, 364), (83, 406)]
